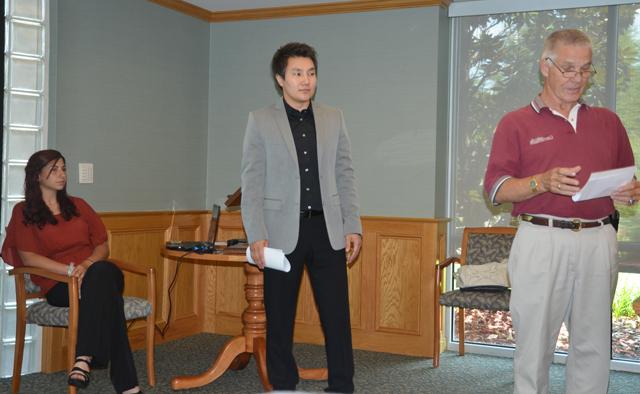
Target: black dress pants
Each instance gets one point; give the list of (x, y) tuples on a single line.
[(328, 274), (102, 329)]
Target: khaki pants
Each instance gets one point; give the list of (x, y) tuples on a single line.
[(560, 275)]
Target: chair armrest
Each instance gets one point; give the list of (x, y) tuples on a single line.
[(448, 262), (22, 296), (40, 272)]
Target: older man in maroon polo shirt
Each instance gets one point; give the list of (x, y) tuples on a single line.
[(563, 260)]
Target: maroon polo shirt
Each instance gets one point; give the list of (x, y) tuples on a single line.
[(532, 140)]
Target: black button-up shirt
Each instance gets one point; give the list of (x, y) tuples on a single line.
[(303, 129)]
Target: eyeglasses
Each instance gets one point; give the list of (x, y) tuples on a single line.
[(588, 72)]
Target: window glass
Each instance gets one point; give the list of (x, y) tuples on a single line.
[(31, 9), (26, 38), (26, 73), (495, 72), (627, 103)]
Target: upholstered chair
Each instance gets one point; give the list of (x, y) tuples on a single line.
[(43, 314), (480, 245)]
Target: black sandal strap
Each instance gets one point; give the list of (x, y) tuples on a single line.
[(83, 360), (79, 371), (79, 377)]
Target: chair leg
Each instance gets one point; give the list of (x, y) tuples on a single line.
[(72, 329), (151, 370), (436, 337), (72, 336), (461, 331), (19, 349)]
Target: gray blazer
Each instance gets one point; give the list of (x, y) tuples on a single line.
[(271, 181)]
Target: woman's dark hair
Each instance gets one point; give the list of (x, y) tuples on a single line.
[(35, 210), (282, 55)]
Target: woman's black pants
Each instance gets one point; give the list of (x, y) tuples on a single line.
[(102, 328)]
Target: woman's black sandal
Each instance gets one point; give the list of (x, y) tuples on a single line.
[(77, 372)]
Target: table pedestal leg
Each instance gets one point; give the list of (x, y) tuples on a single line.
[(260, 352), (313, 373), (236, 352), (231, 350), (240, 362)]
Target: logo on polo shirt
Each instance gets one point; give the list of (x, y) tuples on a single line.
[(538, 140)]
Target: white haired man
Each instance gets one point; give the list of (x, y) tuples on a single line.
[(562, 264)]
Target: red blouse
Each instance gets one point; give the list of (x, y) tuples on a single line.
[(66, 242)]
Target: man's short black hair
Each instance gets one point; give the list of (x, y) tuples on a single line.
[(282, 55)]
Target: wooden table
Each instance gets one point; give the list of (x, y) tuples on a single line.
[(237, 352)]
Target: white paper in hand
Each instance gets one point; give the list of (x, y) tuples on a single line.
[(603, 183), (273, 258)]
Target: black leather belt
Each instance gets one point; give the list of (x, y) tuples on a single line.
[(309, 213), (575, 224)]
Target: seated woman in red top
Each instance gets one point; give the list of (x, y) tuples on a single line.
[(63, 234)]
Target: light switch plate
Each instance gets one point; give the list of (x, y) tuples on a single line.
[(85, 172)]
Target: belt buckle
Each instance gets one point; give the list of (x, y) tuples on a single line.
[(578, 225)]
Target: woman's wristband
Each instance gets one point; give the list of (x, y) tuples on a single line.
[(70, 269)]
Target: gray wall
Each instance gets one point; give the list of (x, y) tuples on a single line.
[(158, 100), (386, 70), (129, 93)]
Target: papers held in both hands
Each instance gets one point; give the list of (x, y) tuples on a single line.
[(273, 258), (603, 183)]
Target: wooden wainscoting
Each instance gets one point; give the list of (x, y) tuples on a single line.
[(390, 288), (390, 285)]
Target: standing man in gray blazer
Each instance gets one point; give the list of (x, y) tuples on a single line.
[(299, 195)]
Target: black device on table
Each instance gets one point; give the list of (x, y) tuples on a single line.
[(208, 246)]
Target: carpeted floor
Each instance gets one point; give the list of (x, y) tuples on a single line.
[(375, 373)]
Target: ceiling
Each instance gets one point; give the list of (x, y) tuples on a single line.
[(235, 5)]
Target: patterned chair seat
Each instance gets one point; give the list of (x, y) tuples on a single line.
[(495, 301), (44, 314)]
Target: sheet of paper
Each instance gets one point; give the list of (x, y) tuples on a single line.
[(273, 258), (603, 183)]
